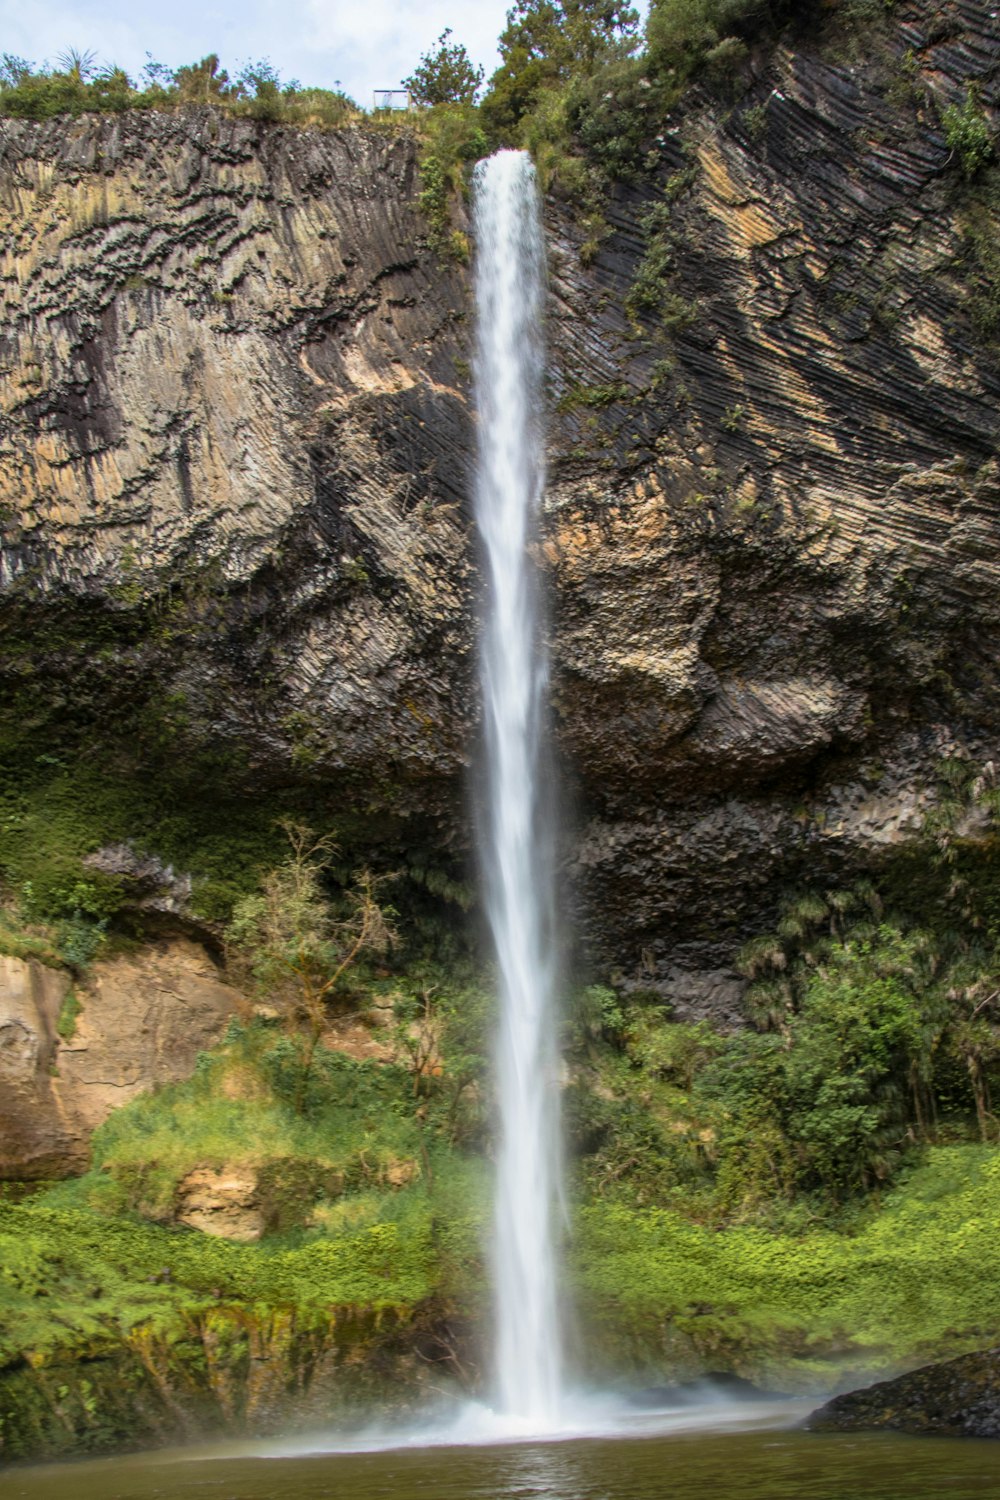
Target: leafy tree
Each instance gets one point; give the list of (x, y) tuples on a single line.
[(546, 44), (860, 1065), (157, 75), (14, 70), (293, 945), (974, 1034), (684, 36), (445, 76), (260, 84)]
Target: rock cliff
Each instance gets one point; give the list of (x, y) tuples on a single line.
[(229, 369), (234, 471), (70, 1054)]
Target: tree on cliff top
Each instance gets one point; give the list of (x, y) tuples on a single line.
[(545, 44), (445, 76), (203, 82)]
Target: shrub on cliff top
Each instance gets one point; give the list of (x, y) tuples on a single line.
[(446, 76), (78, 86)]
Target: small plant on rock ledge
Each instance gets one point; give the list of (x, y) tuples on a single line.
[(967, 132)]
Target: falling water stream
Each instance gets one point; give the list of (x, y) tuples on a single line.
[(517, 834)]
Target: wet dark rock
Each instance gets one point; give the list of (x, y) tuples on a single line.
[(960, 1397), (149, 883)]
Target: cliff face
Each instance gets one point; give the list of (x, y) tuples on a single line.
[(229, 372), (236, 425), (775, 550)]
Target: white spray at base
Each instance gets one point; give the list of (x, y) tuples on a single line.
[(516, 839)]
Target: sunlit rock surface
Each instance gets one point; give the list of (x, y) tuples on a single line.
[(137, 1020)]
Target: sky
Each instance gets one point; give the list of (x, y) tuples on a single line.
[(366, 44)]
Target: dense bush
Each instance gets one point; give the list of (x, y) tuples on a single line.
[(445, 76), (918, 1280)]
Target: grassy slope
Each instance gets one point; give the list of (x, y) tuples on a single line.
[(919, 1280)]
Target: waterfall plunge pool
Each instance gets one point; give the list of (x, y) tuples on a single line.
[(718, 1456)]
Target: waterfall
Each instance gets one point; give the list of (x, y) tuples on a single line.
[(517, 835)]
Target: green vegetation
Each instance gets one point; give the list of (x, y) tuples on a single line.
[(295, 948), (73, 1276), (445, 76), (592, 396), (918, 1279), (68, 1013), (360, 1174), (452, 138), (968, 133), (824, 1182), (335, 1144), (767, 1200), (78, 85), (874, 1030)]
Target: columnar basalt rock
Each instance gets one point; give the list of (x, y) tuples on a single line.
[(773, 518), (229, 366), (234, 404)]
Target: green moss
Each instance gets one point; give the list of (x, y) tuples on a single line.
[(592, 396), (68, 1014)]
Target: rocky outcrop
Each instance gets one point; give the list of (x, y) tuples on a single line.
[(222, 1201), (235, 441), (35, 1140), (230, 403), (774, 548), (137, 1020), (960, 1398)]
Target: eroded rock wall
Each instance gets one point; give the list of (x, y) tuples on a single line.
[(137, 1021), (229, 367), (773, 517)]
